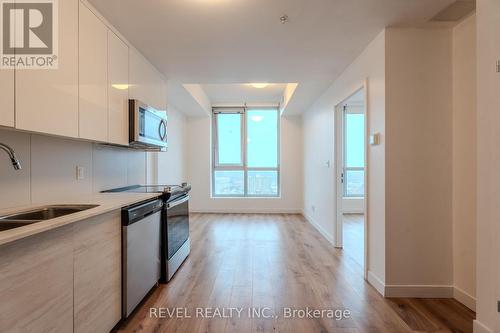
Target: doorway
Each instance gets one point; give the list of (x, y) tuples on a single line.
[(350, 117)]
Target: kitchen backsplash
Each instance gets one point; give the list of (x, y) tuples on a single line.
[(50, 165)]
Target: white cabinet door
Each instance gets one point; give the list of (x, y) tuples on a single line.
[(47, 99), (118, 84), (160, 92), (147, 84), (138, 68), (158, 89), (93, 81), (7, 97)]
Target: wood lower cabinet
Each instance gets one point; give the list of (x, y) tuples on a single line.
[(64, 280), (36, 283), (97, 267)]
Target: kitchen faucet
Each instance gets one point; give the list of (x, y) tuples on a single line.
[(12, 154)]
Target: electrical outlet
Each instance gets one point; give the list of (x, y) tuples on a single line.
[(80, 173)]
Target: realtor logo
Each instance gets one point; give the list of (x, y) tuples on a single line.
[(29, 34)]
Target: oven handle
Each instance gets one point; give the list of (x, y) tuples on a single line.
[(177, 202)]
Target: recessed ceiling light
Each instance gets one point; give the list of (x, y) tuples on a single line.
[(120, 86), (259, 85)]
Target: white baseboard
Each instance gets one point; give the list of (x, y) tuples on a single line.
[(245, 211), (376, 282), (481, 328), (464, 298), (419, 291), (322, 231)]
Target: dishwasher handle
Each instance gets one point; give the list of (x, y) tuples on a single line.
[(134, 213)]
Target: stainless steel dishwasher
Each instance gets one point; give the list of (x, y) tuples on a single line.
[(141, 257)]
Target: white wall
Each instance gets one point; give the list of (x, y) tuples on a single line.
[(319, 179), (464, 161), (419, 161), (488, 166), (411, 186), (199, 171), (49, 166)]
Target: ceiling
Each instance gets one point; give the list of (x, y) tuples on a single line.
[(213, 42), (456, 11), (243, 93)]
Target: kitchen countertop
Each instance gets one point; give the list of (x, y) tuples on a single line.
[(107, 202)]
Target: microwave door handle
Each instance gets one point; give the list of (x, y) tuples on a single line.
[(162, 130)]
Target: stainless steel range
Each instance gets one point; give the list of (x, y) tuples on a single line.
[(174, 230)]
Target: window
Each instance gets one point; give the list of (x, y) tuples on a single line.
[(245, 152), (354, 153)]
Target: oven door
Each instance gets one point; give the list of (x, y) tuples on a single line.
[(148, 126), (177, 224)]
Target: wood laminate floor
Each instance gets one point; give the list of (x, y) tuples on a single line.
[(280, 263), (354, 237)]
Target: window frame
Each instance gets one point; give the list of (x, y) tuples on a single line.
[(345, 168), (216, 166)]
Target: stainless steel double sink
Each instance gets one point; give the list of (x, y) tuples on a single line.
[(40, 214)]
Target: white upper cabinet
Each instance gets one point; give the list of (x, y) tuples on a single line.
[(47, 99), (86, 96), (160, 91), (93, 81), (7, 97), (147, 84), (118, 84), (138, 68)]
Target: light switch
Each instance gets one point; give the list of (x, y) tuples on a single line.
[(374, 139), (80, 173)]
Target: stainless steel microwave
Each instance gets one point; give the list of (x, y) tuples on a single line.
[(147, 127)]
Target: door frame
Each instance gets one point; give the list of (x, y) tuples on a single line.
[(339, 138)]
